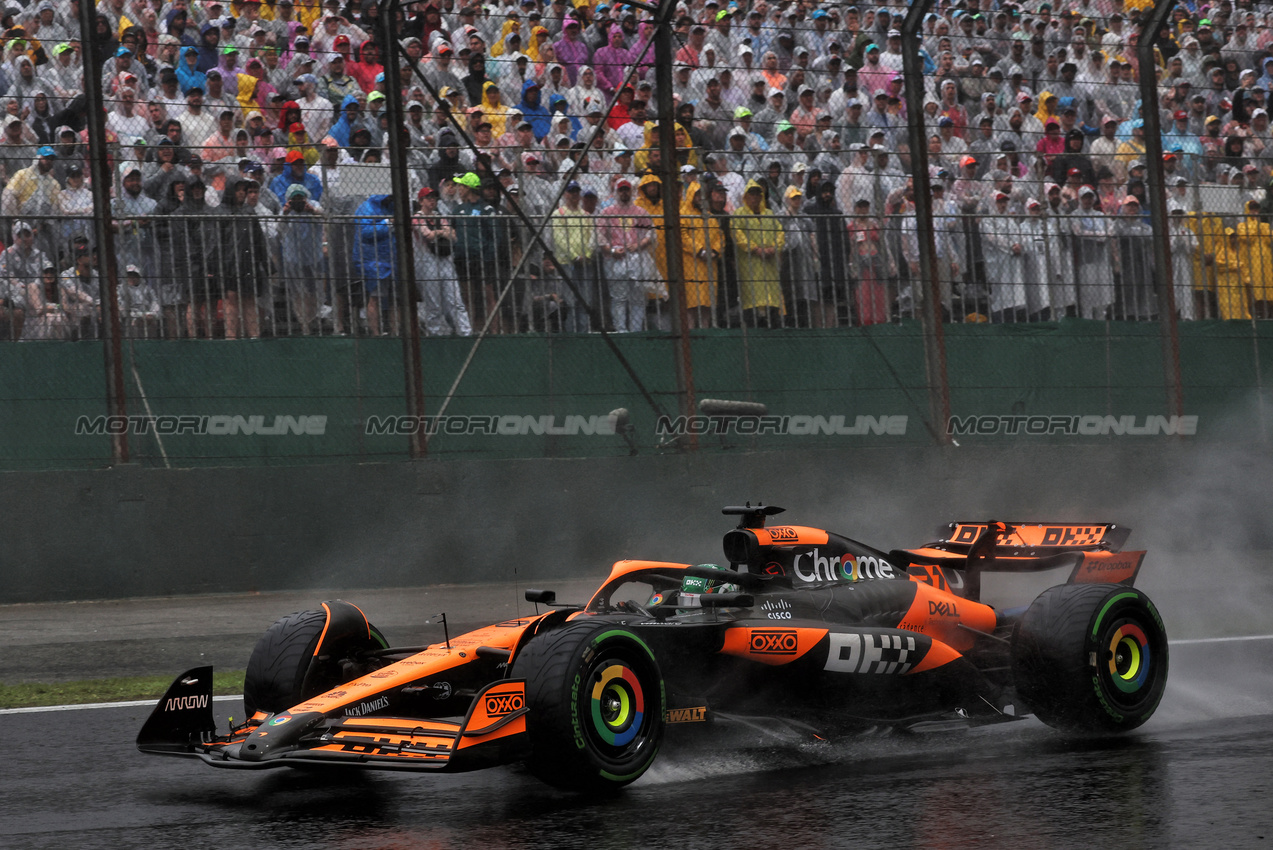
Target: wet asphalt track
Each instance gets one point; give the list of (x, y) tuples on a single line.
[(1196, 776)]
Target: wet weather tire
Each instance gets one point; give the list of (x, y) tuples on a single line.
[(1091, 657), (596, 702), (284, 671)]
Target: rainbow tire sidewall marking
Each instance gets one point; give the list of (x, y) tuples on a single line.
[(617, 686), (1130, 642), (619, 720)]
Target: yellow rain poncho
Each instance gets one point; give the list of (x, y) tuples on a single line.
[(760, 239), (701, 242)]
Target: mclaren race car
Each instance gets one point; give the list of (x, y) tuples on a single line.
[(822, 631)]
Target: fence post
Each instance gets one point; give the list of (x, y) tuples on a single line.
[(108, 268), (1156, 189), (930, 315), (664, 55), (404, 250)]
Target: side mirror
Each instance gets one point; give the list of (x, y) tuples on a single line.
[(544, 597)]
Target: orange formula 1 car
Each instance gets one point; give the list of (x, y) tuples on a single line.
[(804, 627)]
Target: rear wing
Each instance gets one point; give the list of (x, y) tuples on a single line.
[(1034, 539), (1091, 551)]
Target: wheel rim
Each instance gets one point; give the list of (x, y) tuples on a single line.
[(619, 707), (1130, 655), (1130, 658), (618, 704)]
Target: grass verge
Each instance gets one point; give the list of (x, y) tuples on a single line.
[(106, 690)]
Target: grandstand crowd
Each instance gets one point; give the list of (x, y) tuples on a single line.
[(251, 187)]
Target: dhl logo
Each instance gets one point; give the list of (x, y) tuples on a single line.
[(1036, 535), (774, 642), (500, 704)]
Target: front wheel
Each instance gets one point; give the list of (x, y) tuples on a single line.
[(307, 653), (596, 702), (1091, 657)]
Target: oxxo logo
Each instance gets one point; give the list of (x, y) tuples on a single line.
[(498, 705), (783, 534), (943, 609), (774, 642)]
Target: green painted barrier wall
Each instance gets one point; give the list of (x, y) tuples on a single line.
[(830, 389)]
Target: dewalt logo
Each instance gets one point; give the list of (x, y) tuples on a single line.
[(698, 714)]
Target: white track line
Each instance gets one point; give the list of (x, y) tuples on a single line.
[(35, 709), (1219, 640)]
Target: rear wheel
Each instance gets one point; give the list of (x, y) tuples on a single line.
[(596, 702), (1091, 657), (287, 666)]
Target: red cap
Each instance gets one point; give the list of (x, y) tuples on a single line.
[(295, 156), (1074, 172), (1181, 115), (968, 160), (623, 181), (296, 128), (341, 41), (424, 192)]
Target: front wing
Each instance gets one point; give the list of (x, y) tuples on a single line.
[(492, 732)]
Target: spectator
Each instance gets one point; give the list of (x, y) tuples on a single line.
[(574, 242), (1091, 234), (441, 303), (138, 305), (801, 260), (244, 264), (832, 257), (21, 269), (760, 240), (33, 193), (1184, 256), (296, 174), (626, 237), (870, 264), (1134, 264), (301, 232), (79, 291), (479, 240), (1233, 291), (702, 242), (134, 242)]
